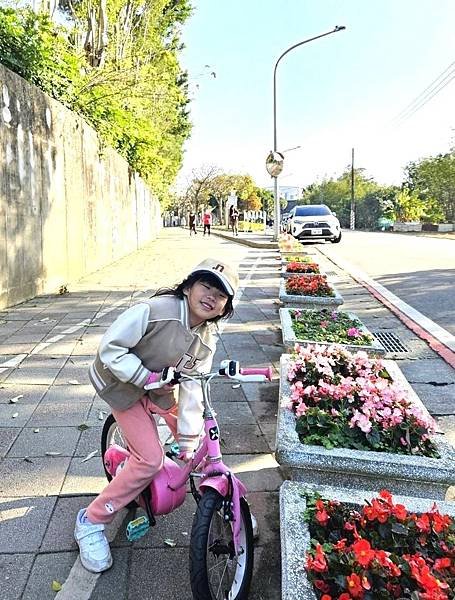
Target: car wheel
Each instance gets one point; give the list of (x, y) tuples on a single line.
[(336, 240)]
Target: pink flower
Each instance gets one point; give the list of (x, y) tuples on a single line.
[(301, 409), (353, 332), (361, 421)]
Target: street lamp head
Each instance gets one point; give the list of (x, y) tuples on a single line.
[(339, 27)]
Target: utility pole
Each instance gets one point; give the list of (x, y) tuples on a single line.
[(352, 224)]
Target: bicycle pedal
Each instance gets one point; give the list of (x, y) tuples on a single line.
[(174, 450), (137, 528)]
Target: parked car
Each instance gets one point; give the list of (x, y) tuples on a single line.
[(314, 222)]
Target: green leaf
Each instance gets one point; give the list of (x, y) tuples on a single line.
[(56, 586), (399, 529)]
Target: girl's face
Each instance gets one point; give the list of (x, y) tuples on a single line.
[(205, 302)]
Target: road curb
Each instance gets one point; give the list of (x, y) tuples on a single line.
[(441, 348)]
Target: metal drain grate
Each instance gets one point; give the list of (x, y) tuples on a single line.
[(390, 341)]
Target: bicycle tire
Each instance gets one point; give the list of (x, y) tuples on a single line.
[(106, 441), (200, 551)]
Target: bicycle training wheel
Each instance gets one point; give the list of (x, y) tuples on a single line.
[(216, 573)]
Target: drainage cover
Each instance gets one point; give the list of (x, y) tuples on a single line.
[(390, 341)]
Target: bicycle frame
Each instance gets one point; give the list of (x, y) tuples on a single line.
[(167, 490), (207, 464)]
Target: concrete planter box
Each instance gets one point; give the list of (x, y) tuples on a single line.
[(444, 227), (290, 338), (295, 536), (309, 301), (361, 469), (285, 253), (407, 226)]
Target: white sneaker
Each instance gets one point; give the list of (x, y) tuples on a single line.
[(94, 548), (255, 525)]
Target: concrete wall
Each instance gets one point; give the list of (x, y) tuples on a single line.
[(67, 207)]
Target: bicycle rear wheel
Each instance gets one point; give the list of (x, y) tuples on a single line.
[(112, 434), (216, 572)]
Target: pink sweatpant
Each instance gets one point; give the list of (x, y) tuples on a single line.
[(140, 430)]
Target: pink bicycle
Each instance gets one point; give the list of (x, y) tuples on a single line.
[(221, 543)]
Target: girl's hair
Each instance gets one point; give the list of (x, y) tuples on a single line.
[(208, 278)]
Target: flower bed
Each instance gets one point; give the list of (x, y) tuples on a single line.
[(359, 423), (302, 285), (388, 547), (309, 291), (300, 258), (327, 326), (297, 267)]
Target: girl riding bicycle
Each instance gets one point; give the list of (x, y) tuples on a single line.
[(174, 328)]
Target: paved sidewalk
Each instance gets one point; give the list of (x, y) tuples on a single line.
[(49, 433), (46, 346)]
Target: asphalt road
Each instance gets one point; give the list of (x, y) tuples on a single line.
[(419, 270)]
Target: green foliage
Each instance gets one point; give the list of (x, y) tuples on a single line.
[(127, 84), (336, 194), (433, 179), (408, 206), (32, 47), (267, 200)]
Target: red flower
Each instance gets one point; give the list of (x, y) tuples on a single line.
[(344, 596), (340, 545), (326, 597), (354, 585), (423, 523), (442, 563), (363, 552), (387, 496), (318, 563), (378, 511), (439, 522), (322, 516), (399, 511)]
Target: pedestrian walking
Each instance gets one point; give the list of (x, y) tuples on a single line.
[(192, 223), (234, 220), (207, 221), (174, 328)]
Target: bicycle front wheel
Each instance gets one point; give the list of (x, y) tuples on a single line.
[(216, 572)]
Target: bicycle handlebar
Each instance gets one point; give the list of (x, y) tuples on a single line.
[(228, 368), (264, 371)]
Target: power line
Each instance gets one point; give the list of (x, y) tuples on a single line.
[(426, 95)]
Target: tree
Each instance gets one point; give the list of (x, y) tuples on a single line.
[(200, 188), (116, 65), (336, 193), (408, 206), (433, 180)]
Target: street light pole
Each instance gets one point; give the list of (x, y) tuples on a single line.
[(275, 149)]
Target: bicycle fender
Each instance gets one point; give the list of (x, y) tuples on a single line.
[(221, 485)]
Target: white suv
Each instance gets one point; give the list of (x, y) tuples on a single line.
[(314, 222)]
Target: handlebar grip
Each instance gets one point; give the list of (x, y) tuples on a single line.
[(266, 371)]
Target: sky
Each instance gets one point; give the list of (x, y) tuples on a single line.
[(340, 92)]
